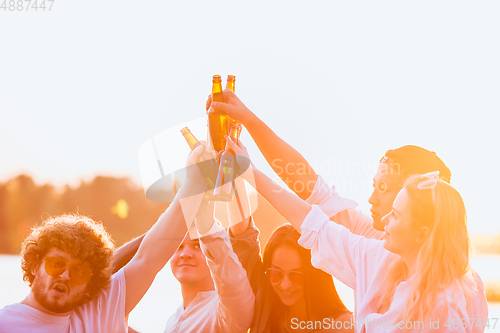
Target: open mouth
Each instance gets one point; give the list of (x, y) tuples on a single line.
[(60, 288)]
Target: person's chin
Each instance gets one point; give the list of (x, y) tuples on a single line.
[(387, 243), (187, 278), (61, 304), (289, 298), (377, 223)]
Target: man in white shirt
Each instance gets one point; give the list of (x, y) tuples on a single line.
[(66, 261), (216, 292)]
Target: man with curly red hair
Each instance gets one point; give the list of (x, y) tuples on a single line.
[(66, 262)]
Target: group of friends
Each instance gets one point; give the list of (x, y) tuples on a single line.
[(408, 263)]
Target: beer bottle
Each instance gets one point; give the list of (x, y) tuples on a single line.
[(190, 138), (218, 125), (208, 168), (236, 134), (223, 190), (230, 82)]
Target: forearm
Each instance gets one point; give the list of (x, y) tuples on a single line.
[(205, 220), (125, 253), (246, 246), (289, 205), (239, 228), (168, 232), (341, 210), (287, 162), (236, 297), (238, 210), (160, 243)]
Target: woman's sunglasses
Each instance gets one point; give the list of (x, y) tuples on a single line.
[(78, 274), (275, 275)]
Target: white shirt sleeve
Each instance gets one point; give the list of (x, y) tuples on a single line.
[(328, 199), (341, 210), (236, 305), (336, 250)]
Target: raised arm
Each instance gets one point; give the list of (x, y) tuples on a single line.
[(334, 249), (238, 210), (295, 171), (288, 204), (244, 236), (236, 299), (287, 162), (125, 253), (164, 237)]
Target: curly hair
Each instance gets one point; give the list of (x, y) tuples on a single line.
[(78, 235)]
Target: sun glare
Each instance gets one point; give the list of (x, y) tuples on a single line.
[(121, 209)]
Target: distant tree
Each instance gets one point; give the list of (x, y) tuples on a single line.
[(486, 244), (4, 239), (19, 209), (118, 203)]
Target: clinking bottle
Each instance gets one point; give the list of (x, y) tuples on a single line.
[(208, 168), (231, 79), (218, 125), (223, 190)]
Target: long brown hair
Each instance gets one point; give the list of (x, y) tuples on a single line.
[(321, 297)]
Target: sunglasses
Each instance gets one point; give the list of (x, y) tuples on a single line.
[(275, 275), (78, 274)]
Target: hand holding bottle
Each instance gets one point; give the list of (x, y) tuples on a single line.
[(232, 106), (244, 164), (196, 161)]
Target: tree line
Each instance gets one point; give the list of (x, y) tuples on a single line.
[(118, 203)]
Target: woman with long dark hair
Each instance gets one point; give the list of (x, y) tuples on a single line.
[(291, 295), (417, 279)]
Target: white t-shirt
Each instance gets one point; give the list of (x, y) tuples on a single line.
[(341, 211), (361, 264), (104, 314), (229, 308)]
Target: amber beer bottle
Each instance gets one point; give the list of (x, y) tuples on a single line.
[(223, 190), (230, 82), (190, 138), (218, 125), (236, 134), (208, 168)]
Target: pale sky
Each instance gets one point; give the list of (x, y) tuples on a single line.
[(83, 86)]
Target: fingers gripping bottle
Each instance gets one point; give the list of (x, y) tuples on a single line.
[(208, 168)]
